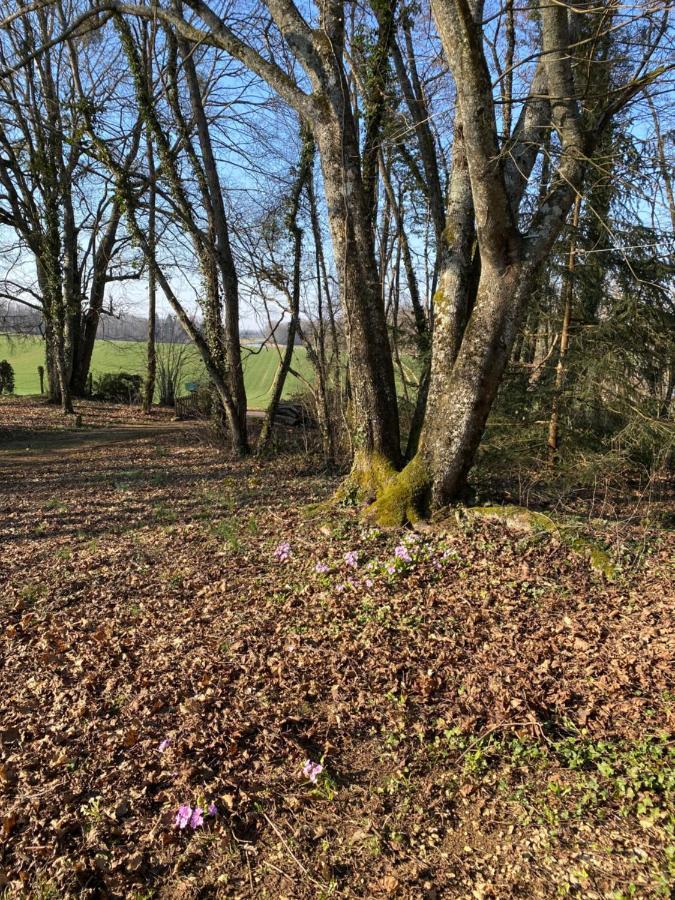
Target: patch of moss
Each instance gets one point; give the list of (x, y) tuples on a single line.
[(403, 499), (531, 521), (370, 474)]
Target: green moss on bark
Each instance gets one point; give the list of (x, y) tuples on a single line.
[(369, 475), (405, 497)]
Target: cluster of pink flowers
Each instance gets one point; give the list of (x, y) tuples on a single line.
[(352, 558), (321, 568), (401, 552), (283, 551), (194, 818)]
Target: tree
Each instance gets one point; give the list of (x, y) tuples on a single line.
[(481, 299), (62, 212), (305, 166), (6, 377), (322, 99), (219, 345)]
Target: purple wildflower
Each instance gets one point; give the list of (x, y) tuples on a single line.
[(352, 558), (402, 553), (369, 582), (283, 551), (312, 770), (197, 818), (166, 743), (183, 815), (391, 570), (213, 809), (321, 568)]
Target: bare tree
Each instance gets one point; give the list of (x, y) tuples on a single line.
[(477, 318)]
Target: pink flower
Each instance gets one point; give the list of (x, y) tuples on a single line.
[(391, 570), (197, 818), (352, 558), (321, 568), (283, 551), (312, 770), (369, 582), (402, 552), (166, 743), (213, 809), (183, 816)]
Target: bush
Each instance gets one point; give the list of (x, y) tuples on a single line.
[(118, 387), (6, 377), (204, 395)]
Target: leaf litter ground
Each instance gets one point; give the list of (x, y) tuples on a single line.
[(493, 718)]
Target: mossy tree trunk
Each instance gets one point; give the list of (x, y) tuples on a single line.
[(468, 363), (350, 181), (560, 371), (460, 402)]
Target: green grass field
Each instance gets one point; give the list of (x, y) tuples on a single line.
[(27, 353)]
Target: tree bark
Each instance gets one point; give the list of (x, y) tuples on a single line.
[(457, 413), (567, 298), (234, 371), (151, 364), (374, 409), (468, 363)]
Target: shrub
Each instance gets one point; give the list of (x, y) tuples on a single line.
[(204, 395), (6, 377), (118, 387)]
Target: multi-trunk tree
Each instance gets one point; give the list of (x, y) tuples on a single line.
[(574, 93)]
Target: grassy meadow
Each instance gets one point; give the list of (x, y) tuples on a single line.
[(26, 353)]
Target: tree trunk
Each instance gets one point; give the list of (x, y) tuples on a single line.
[(374, 410), (52, 300), (213, 197), (304, 171), (567, 297), (458, 406), (151, 368), (91, 316), (53, 389), (70, 285)]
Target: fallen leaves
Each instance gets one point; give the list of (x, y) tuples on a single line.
[(192, 629)]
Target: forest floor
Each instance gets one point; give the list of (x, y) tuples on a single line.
[(493, 716)]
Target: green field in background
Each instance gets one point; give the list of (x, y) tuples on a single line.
[(27, 353)]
